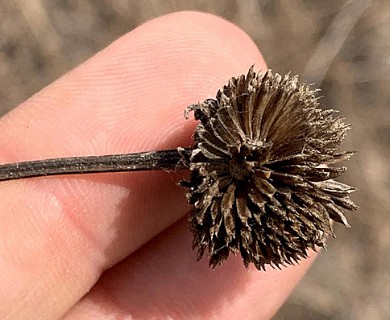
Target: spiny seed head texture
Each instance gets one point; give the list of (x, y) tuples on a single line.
[(262, 181)]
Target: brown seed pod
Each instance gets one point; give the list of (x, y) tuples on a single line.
[(261, 176)]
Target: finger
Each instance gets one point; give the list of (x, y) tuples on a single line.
[(60, 233), (161, 281)]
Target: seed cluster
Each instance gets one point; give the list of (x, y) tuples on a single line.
[(262, 181)]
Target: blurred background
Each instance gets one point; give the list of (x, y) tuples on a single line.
[(342, 46)]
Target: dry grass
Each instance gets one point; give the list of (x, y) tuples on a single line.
[(342, 44)]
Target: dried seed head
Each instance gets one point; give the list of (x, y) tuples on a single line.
[(261, 181)]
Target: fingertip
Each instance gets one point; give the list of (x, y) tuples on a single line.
[(132, 94)]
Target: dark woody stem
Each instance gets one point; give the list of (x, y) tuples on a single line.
[(153, 160)]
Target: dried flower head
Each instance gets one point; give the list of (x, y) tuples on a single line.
[(261, 181), (261, 175)]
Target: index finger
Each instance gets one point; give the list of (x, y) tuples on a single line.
[(58, 234)]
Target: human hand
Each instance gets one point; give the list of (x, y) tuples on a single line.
[(108, 246)]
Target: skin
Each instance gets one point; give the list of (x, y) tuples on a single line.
[(117, 246)]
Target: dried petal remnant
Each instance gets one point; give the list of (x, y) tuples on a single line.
[(261, 176)]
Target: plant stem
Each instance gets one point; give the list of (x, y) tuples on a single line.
[(153, 160)]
